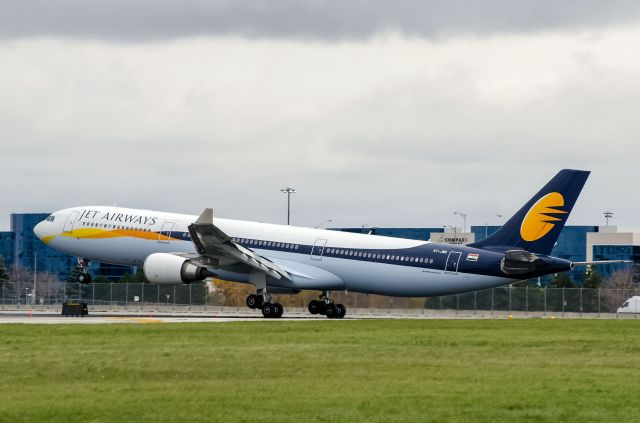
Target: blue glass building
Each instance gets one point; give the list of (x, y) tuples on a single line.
[(615, 252), (6, 247), (21, 247)]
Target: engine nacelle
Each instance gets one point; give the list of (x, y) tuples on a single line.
[(167, 269)]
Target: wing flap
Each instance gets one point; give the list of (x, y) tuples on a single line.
[(211, 241)]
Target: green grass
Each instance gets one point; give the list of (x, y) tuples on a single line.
[(326, 371)]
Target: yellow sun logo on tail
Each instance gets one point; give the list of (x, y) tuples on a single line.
[(539, 219)]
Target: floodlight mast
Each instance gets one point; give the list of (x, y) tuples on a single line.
[(486, 226), (288, 191), (464, 218)]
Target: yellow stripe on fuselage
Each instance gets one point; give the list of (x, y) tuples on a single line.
[(97, 233)]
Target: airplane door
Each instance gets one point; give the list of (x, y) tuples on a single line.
[(318, 249), (452, 262), (165, 232), (68, 225)]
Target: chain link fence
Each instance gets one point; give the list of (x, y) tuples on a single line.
[(531, 301)]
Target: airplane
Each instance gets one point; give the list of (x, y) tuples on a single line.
[(178, 248)]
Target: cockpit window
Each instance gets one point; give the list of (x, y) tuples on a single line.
[(51, 218)]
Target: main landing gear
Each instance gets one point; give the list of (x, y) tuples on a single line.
[(83, 276), (269, 310), (327, 307)]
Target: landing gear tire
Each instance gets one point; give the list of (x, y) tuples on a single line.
[(272, 310), (267, 310), (314, 307), (278, 310), (330, 310), (341, 311), (254, 301)]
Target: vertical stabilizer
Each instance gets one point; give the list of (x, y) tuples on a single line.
[(537, 226)]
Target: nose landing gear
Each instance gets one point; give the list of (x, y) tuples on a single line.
[(327, 307), (82, 272)]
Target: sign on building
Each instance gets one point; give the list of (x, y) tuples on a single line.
[(456, 238)]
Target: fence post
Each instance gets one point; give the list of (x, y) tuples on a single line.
[(157, 295), (510, 288), (545, 300), (80, 292), (126, 295), (174, 297), (475, 302), (93, 294), (599, 293), (3, 293), (492, 289), (190, 296), (111, 295), (580, 301), (563, 302)]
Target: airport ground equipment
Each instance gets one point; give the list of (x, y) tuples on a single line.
[(74, 308)]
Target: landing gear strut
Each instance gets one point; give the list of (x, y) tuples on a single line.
[(83, 275), (269, 310), (327, 307)]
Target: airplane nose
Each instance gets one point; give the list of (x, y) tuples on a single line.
[(39, 230)]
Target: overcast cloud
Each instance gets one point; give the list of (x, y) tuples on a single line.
[(126, 20), (372, 119)]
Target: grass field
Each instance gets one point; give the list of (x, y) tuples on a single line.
[(374, 371)]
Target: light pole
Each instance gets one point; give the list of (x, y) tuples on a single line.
[(455, 232), (464, 218), (288, 191), (35, 275), (608, 215), (486, 226)]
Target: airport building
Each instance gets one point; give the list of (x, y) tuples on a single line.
[(20, 247)]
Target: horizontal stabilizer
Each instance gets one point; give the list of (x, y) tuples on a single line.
[(595, 263)]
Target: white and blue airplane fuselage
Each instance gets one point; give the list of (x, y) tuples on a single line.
[(177, 248), (318, 259)]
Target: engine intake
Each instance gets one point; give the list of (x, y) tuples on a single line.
[(166, 268)]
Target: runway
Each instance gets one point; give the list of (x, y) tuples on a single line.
[(27, 317), (115, 315), (102, 320)]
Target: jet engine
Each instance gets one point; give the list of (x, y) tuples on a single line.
[(166, 268)]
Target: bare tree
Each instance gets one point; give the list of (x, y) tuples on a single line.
[(21, 283), (617, 288)]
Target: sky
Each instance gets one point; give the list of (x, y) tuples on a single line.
[(379, 113)]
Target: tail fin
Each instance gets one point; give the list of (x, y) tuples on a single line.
[(537, 225)]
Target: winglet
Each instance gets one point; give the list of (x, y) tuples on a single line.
[(206, 217)]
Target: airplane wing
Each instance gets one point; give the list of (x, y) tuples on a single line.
[(218, 250)]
